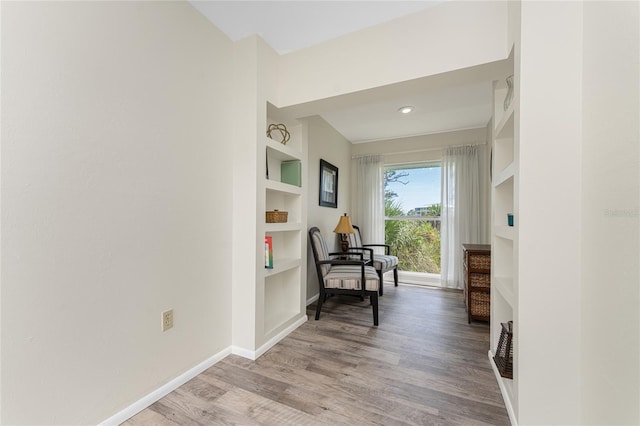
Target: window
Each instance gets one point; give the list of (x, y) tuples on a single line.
[(412, 215)]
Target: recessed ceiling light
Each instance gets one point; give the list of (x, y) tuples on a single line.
[(405, 109)]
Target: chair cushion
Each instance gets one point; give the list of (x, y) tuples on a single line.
[(349, 277), (383, 261)]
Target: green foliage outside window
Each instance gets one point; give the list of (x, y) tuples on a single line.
[(416, 243)]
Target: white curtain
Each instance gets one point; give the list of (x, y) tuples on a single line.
[(460, 215), (368, 201)]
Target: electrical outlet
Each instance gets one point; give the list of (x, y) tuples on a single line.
[(167, 320)]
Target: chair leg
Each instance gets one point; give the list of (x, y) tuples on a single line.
[(395, 276), (381, 282), (374, 303), (319, 305)]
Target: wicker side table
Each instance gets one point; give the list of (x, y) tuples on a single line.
[(477, 281)]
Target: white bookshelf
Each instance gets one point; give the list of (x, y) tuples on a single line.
[(504, 239), (281, 291)]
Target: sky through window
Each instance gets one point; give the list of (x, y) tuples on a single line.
[(422, 188)]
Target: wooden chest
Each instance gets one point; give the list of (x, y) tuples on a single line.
[(477, 281)]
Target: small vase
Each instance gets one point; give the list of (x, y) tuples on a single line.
[(509, 97)]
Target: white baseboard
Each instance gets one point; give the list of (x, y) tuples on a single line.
[(164, 390), (313, 299), (172, 385), (253, 355), (245, 353)]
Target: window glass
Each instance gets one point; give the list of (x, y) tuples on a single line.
[(412, 210)]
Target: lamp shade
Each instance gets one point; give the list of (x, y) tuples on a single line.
[(344, 226)]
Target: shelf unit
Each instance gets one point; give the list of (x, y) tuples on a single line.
[(281, 291), (504, 238)]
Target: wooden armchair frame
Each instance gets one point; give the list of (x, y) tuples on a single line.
[(362, 274)]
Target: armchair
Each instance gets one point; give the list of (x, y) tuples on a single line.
[(340, 276), (381, 262)]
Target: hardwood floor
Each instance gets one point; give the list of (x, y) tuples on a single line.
[(424, 365)]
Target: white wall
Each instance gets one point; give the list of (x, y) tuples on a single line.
[(579, 221), (115, 203), (327, 144), (610, 218), (243, 251), (450, 36), (549, 290)]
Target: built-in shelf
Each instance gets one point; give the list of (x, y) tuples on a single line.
[(274, 321), (504, 285), (282, 295), (282, 227), (281, 290), (504, 175), (274, 185), (506, 388), (506, 232), (505, 239), (504, 128), (281, 151), (282, 265)]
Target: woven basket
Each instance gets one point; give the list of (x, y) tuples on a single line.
[(480, 280), (504, 355), (480, 262), (480, 305), (276, 216)]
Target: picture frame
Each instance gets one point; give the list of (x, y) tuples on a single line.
[(328, 185)]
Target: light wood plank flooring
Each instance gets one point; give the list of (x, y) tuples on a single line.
[(423, 365)]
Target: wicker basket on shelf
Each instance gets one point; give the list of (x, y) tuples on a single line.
[(504, 354), (276, 216)]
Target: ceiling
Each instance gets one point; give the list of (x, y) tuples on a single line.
[(291, 25)]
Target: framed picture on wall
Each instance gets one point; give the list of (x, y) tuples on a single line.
[(328, 185)]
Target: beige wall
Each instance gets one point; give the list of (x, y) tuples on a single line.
[(451, 36), (579, 221), (327, 144), (115, 207), (610, 346), (549, 189)]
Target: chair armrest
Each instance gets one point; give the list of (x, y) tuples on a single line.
[(345, 254), (361, 250), (342, 262), (387, 248)]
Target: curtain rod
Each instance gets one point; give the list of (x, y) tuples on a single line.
[(353, 157)]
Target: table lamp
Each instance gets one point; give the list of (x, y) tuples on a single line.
[(344, 227)]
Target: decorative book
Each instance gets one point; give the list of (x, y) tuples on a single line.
[(291, 172), (268, 252)]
